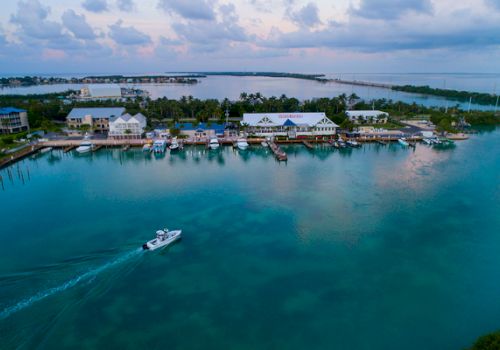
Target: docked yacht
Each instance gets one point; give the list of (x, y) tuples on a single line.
[(85, 147), (46, 150), (159, 146), (242, 144), (174, 145), (427, 141), (341, 143), (353, 144), (163, 238), (214, 143), (402, 141)]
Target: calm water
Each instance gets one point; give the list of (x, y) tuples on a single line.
[(374, 248), (220, 87)]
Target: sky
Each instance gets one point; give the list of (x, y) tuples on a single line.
[(316, 36)]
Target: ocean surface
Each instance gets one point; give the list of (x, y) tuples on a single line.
[(374, 248), (220, 87)]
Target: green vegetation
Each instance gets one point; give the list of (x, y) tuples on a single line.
[(316, 77), (49, 111), (487, 342), (462, 96)]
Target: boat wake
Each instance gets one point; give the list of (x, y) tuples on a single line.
[(87, 276)]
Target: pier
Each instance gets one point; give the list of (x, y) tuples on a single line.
[(12, 158), (362, 83), (278, 152), (307, 144)]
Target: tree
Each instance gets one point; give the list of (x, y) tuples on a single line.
[(128, 132), (487, 342)]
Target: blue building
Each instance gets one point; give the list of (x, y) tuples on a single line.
[(13, 120)]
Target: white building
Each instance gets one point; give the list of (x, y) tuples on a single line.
[(362, 117), (293, 125), (101, 92), (127, 126), (13, 120)]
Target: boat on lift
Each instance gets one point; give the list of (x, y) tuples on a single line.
[(163, 238), (159, 146)]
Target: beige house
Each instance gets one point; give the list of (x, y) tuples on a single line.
[(367, 117), (96, 118)]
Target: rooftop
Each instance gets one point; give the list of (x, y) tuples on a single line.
[(286, 119), (8, 110), (101, 112)]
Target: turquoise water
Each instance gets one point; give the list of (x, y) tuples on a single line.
[(373, 248)]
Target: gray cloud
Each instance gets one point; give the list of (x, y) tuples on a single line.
[(209, 36), (95, 5), (390, 9), (189, 9), (77, 25), (127, 35), (307, 16), (31, 17), (126, 5)]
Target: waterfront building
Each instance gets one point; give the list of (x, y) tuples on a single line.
[(13, 120), (367, 117), (292, 125), (101, 92), (97, 119), (127, 126), (201, 130)]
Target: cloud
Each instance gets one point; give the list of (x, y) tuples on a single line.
[(77, 25), (31, 17), (390, 9), (189, 9), (126, 5), (307, 16), (127, 35), (494, 3), (95, 5), (209, 36)]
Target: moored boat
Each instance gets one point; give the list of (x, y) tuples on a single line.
[(242, 144), (85, 147), (264, 144), (159, 146), (353, 144), (214, 143), (402, 141), (174, 145), (148, 147), (46, 150), (163, 238)]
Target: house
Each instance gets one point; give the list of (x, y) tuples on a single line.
[(201, 130), (127, 126), (13, 120), (97, 119), (293, 125), (367, 117)]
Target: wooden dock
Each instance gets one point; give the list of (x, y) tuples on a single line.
[(97, 148), (69, 148), (14, 157), (278, 152), (307, 144)]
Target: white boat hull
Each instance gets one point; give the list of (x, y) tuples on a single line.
[(214, 146), (83, 149), (157, 244)]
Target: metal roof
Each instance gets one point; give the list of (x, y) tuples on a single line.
[(8, 110), (105, 112), (368, 113), (285, 119), (201, 126), (104, 90)]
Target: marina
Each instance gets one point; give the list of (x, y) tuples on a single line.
[(364, 237)]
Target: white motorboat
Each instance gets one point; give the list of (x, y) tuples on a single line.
[(147, 147), (159, 146), (242, 144), (85, 147), (174, 145), (46, 150), (214, 143), (163, 238), (264, 144), (353, 143), (402, 141), (427, 141)]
